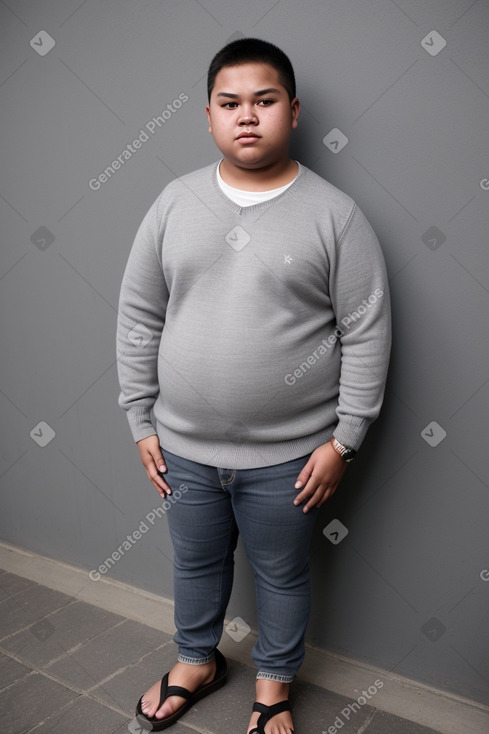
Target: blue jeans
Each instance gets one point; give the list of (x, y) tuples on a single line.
[(204, 523)]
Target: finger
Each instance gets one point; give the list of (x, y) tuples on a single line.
[(150, 449), (162, 487), (163, 491), (152, 464), (312, 499), (329, 493), (308, 490), (304, 475), (302, 497), (318, 499), (159, 461), (161, 483), (158, 481)]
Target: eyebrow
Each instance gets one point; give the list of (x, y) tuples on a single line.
[(257, 94)]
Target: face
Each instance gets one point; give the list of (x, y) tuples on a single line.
[(250, 116)]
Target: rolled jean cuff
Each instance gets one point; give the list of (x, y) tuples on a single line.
[(195, 661), (261, 675)]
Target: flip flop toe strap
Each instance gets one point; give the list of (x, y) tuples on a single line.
[(166, 691), (267, 713), (178, 691)]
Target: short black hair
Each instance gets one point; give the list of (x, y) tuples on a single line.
[(252, 50)]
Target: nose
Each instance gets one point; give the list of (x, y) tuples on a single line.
[(247, 117)]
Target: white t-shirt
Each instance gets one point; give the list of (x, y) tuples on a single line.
[(248, 198)]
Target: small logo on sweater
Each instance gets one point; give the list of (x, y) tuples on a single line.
[(237, 238)]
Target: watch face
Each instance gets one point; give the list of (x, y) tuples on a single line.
[(349, 455)]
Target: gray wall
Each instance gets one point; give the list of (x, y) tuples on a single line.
[(407, 588)]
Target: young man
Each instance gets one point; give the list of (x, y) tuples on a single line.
[(259, 294)]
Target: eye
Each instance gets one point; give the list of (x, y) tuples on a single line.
[(266, 102), (230, 105)]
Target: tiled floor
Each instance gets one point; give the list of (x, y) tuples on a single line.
[(69, 667)]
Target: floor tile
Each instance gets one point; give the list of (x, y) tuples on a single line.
[(110, 651), (125, 689), (384, 723), (11, 584), (83, 716), (29, 606), (10, 671), (316, 710), (31, 700), (59, 633)]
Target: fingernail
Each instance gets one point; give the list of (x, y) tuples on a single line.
[(298, 484), (162, 467)]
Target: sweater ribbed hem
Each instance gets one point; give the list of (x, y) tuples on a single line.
[(230, 455)]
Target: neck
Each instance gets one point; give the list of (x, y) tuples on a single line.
[(258, 179)]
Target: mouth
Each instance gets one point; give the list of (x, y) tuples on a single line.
[(248, 137)]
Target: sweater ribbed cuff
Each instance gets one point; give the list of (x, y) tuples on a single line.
[(351, 431), (139, 419)]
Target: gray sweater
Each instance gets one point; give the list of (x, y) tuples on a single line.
[(248, 335)]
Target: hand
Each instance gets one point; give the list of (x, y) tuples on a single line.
[(321, 476), (153, 462)]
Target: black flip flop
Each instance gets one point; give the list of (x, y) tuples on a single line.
[(151, 723), (267, 713)]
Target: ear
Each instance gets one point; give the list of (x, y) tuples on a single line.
[(208, 113), (295, 108)]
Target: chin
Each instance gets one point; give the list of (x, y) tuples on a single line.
[(251, 161), (252, 164)]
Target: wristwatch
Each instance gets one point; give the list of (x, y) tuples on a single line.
[(346, 454)]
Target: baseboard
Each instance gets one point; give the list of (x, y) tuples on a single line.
[(440, 710)]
